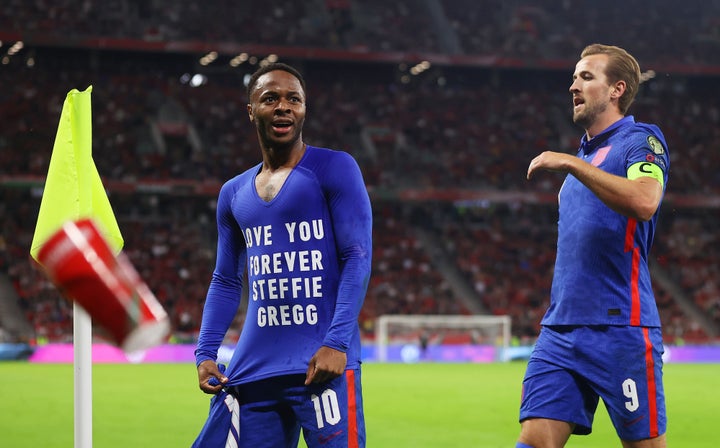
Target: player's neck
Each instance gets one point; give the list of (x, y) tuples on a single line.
[(279, 157), (602, 123)]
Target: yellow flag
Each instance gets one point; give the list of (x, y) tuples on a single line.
[(73, 188)]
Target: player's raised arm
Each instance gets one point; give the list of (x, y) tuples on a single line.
[(637, 197)]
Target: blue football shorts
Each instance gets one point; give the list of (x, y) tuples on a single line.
[(571, 367), (271, 413)]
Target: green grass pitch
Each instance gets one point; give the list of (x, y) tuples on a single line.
[(406, 405)]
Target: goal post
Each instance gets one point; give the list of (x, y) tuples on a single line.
[(404, 329)]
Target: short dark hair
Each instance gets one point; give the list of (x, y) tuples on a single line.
[(271, 68)]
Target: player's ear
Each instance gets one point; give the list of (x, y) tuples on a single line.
[(250, 113), (618, 89)]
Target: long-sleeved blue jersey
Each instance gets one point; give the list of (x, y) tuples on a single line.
[(601, 270), (307, 253)]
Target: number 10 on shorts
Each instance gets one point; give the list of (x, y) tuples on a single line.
[(326, 407)]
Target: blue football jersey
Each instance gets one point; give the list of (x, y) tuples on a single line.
[(601, 271), (307, 254)]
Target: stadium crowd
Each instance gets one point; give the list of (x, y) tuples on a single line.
[(164, 146), (518, 29)]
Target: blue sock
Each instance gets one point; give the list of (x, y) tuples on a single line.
[(523, 445)]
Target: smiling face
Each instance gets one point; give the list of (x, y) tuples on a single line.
[(595, 99), (277, 107)]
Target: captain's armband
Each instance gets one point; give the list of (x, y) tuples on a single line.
[(646, 169)]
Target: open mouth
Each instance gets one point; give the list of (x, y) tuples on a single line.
[(282, 127)]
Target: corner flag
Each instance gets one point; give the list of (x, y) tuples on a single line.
[(73, 188)]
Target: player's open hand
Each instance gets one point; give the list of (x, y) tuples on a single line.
[(210, 377), (326, 364), (550, 161)]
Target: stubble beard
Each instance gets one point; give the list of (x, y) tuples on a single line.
[(267, 141), (582, 119), (586, 117)]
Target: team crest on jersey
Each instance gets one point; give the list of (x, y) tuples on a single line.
[(655, 145)]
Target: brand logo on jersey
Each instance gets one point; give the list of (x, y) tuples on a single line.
[(655, 145)]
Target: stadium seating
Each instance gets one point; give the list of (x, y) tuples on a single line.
[(164, 146)]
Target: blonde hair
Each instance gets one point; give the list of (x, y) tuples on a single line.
[(622, 66)]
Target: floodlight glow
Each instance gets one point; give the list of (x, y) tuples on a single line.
[(198, 80)]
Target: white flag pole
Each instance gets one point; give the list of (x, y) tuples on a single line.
[(82, 366)]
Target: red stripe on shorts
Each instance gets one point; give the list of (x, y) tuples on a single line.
[(652, 392), (352, 409)]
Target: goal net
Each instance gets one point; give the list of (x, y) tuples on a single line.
[(415, 337)]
